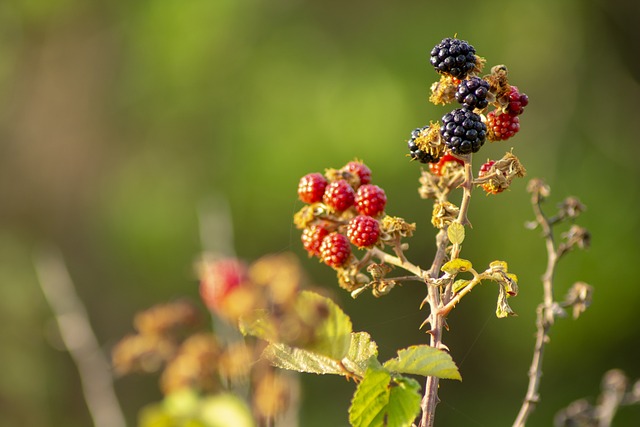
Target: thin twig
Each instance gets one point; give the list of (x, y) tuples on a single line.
[(545, 316), (79, 339)]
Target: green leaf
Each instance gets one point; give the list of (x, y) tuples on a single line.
[(459, 285), (383, 400), (424, 360), (503, 309), (258, 324), (296, 359), (333, 334), (225, 410), (456, 266), (456, 233), (361, 354)]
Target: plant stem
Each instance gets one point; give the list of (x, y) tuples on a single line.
[(439, 298), (544, 318)]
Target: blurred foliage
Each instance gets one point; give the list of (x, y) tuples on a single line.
[(120, 120)]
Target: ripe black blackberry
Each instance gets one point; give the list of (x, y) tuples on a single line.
[(463, 131), (454, 57), (472, 93), (415, 152)]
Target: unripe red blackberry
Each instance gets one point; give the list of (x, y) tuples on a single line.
[(363, 231), (312, 239), (360, 169), (436, 168), (219, 278), (339, 195), (517, 102), (472, 93), (463, 131), (335, 250), (502, 126), (311, 187), (370, 200), (454, 57)]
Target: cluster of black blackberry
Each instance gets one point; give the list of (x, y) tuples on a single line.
[(463, 130)]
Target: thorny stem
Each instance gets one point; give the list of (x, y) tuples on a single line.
[(544, 318), (439, 298)]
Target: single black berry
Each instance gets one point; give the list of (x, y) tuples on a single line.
[(453, 56), (415, 152), (463, 131), (472, 93)]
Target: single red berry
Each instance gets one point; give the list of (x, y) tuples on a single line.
[(488, 186), (339, 195), (311, 187), (312, 239), (219, 278), (517, 101), (436, 168), (361, 170), (370, 200), (502, 126), (335, 250), (363, 231)]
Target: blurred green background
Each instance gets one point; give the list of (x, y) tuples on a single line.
[(119, 120)]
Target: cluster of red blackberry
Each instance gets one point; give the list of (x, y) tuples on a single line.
[(464, 130), (342, 208)]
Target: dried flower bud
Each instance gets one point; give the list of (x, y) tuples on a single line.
[(538, 188), (280, 274), (393, 228), (579, 298), (165, 319), (571, 208), (499, 175), (499, 85), (576, 237), (429, 140), (444, 90), (444, 213), (194, 367), (141, 353), (272, 395)]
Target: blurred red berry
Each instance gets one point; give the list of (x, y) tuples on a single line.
[(219, 278)]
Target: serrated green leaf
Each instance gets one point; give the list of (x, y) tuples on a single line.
[(424, 360), (459, 285), (382, 400), (370, 399), (333, 334), (456, 233), (296, 359), (503, 309), (404, 402), (362, 352), (456, 266)]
